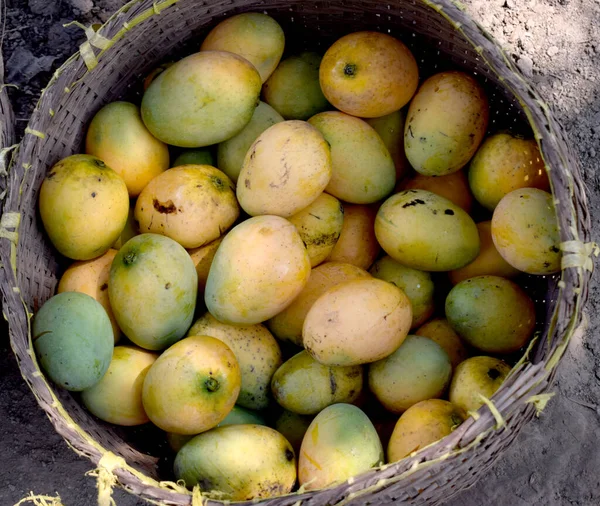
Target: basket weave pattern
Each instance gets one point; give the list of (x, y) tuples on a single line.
[(146, 32)]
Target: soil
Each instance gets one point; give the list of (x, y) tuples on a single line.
[(555, 459)]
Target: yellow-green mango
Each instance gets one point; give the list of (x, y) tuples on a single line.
[(391, 130), (320, 225), (440, 331), (231, 153), (117, 398), (287, 325), (83, 205), (340, 443), (304, 386), (357, 322), (195, 157), (203, 99), (418, 370), (293, 427), (417, 285), (256, 351), (293, 89), (491, 313), (424, 231), (132, 228), (476, 377), (255, 36), (446, 122), (271, 269), (363, 171), (152, 290), (504, 163), (73, 340), (421, 425), (238, 463), (117, 135), (525, 231)]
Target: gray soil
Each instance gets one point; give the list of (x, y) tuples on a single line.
[(555, 459)]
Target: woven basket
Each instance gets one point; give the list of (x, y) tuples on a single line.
[(110, 66)]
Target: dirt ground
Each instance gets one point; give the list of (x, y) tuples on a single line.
[(555, 459)]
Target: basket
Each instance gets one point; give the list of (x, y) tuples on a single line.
[(109, 66)]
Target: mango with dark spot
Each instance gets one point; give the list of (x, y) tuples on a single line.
[(256, 351), (238, 463), (73, 340), (320, 225), (525, 231), (192, 204), (304, 386), (148, 314), (491, 313), (340, 443), (446, 122), (79, 225), (424, 231), (192, 386), (454, 187)]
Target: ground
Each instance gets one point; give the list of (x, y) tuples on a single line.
[(555, 459)]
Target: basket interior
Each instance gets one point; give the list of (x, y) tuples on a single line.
[(176, 32)]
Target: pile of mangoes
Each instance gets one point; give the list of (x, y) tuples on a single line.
[(277, 286)]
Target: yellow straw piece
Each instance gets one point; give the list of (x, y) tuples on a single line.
[(41, 500), (499, 420), (105, 478), (37, 133), (540, 401), (579, 254)]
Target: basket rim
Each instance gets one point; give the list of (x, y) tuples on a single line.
[(527, 380)]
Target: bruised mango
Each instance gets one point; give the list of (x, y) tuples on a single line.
[(446, 122), (118, 136), (256, 351), (454, 187), (320, 225), (287, 325), (271, 269), (424, 231), (203, 99), (491, 313), (304, 386), (363, 171)]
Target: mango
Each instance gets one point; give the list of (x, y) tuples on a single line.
[(340, 443), (424, 231), (293, 427), (293, 89), (255, 36), (320, 225), (391, 130), (203, 99), (491, 313), (191, 204), (363, 171), (487, 262), (118, 136), (73, 340), (192, 386), (271, 269), (441, 332), (357, 322), (91, 277), (422, 424), (504, 163), (418, 370), (195, 157), (454, 187), (476, 377), (152, 290), (256, 351), (304, 386), (238, 463), (286, 168), (287, 325), (83, 206), (131, 229), (417, 285), (368, 74), (231, 153), (525, 231), (446, 122), (357, 244), (117, 397), (203, 257)]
